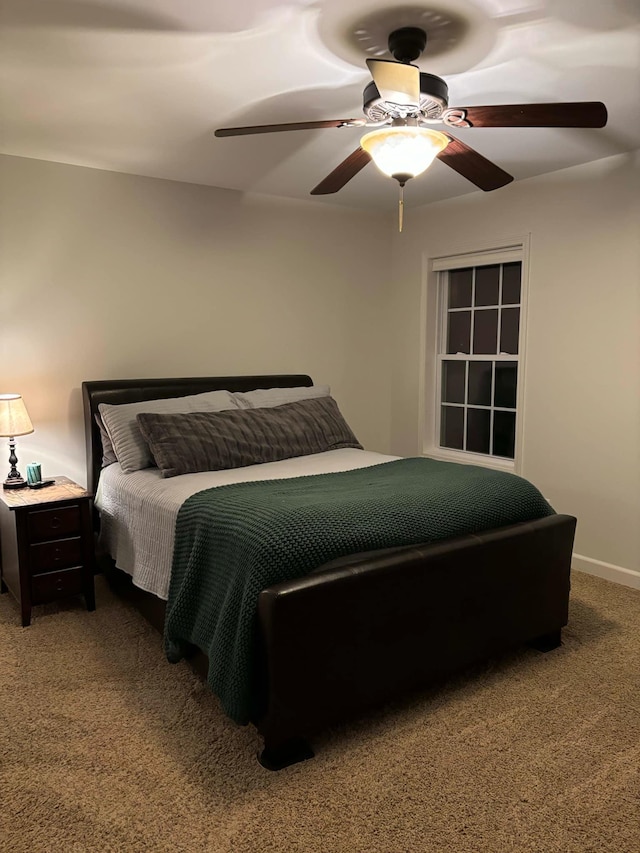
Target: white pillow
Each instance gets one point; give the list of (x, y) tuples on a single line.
[(129, 446), (264, 398)]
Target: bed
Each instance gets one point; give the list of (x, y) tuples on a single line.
[(365, 627)]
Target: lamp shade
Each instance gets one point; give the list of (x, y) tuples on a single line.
[(14, 418), (403, 152)]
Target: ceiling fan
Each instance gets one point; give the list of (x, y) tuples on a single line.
[(402, 104)]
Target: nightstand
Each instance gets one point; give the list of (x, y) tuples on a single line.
[(47, 544)]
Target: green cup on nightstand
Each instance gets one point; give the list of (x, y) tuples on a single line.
[(34, 473)]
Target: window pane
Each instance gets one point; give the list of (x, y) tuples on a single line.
[(453, 375), (485, 330), (509, 330), (460, 288), (459, 332), (478, 429), (452, 427), (487, 285), (480, 383), (506, 384), (511, 277), (504, 434)]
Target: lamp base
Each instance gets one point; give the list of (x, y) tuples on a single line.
[(14, 483)]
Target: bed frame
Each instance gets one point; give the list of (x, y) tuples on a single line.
[(364, 629)]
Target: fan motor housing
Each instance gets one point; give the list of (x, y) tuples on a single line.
[(434, 99)]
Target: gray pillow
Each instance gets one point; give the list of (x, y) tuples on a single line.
[(208, 441), (108, 453), (263, 397), (120, 422)]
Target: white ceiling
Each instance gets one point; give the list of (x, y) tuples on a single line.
[(140, 86)]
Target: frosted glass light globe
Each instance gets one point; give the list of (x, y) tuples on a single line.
[(404, 152)]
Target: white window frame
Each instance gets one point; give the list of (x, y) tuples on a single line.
[(433, 327)]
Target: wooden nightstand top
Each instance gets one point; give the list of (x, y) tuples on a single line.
[(63, 489)]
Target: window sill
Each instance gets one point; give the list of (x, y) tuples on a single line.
[(463, 458)]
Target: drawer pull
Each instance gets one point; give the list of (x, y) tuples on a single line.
[(55, 522), (57, 554)]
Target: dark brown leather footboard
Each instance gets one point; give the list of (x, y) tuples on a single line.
[(369, 627)]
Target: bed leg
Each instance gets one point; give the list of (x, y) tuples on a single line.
[(547, 642), (285, 753)]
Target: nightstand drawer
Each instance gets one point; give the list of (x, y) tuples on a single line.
[(53, 585), (59, 554), (52, 523)]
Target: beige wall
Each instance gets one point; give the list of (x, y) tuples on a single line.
[(106, 275), (582, 378)]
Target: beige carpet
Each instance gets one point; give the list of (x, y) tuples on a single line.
[(106, 747)]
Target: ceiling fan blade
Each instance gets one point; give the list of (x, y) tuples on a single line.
[(397, 82), (298, 125), (343, 173), (473, 166), (577, 114)]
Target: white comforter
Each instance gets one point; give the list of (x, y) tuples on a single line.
[(138, 511)]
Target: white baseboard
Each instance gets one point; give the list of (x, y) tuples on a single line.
[(626, 577)]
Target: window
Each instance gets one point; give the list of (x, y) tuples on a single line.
[(477, 359)]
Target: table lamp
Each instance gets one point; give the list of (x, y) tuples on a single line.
[(14, 420)]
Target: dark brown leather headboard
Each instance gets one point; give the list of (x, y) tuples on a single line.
[(117, 391)]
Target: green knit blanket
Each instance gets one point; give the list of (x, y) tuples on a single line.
[(233, 541)]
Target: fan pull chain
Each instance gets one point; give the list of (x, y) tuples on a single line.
[(401, 207)]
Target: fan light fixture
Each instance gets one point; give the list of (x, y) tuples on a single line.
[(402, 152)]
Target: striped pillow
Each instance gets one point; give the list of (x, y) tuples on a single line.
[(212, 441), (267, 397)]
